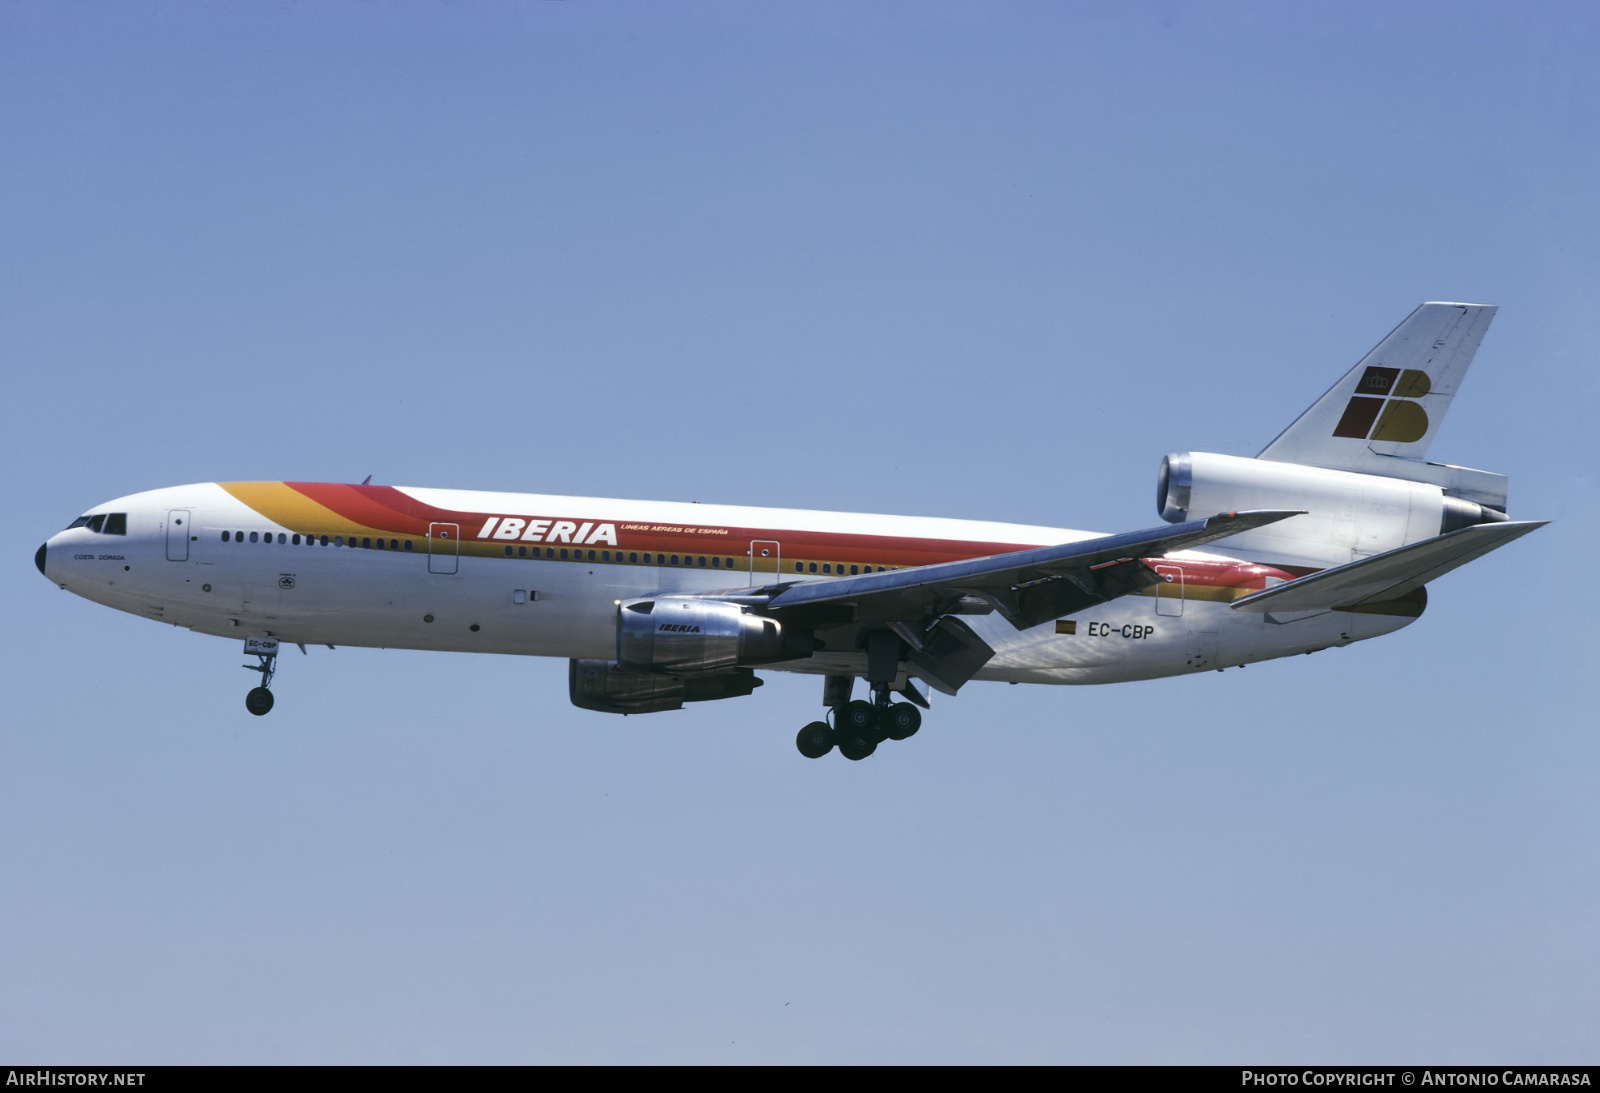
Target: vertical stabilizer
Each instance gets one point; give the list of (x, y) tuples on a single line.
[(1391, 404)]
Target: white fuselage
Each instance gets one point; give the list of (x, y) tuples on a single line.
[(491, 594)]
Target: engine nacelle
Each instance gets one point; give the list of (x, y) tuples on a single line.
[(686, 636), (1349, 515), (602, 685)]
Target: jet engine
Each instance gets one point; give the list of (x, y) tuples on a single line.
[(686, 636), (602, 685), (1348, 515)]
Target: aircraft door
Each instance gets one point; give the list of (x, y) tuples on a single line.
[(1169, 593), (178, 535), (444, 548), (765, 555)]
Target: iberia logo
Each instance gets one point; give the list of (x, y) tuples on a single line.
[(529, 530), (1383, 396)]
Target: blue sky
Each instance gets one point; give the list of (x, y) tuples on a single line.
[(987, 260)]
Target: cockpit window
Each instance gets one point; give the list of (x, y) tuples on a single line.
[(103, 523)]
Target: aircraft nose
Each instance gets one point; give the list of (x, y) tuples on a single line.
[(38, 559)]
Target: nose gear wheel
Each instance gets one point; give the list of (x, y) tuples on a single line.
[(259, 701)]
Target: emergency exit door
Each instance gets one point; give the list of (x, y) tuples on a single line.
[(444, 548), (178, 535), (765, 554), (1169, 593)]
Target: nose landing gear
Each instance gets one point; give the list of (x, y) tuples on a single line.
[(265, 650)]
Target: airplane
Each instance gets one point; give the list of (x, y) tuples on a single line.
[(1328, 536)]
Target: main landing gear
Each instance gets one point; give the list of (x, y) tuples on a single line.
[(858, 727)]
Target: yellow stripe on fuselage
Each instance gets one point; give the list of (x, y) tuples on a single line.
[(289, 508)]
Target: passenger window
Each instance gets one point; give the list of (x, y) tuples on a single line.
[(394, 544), (408, 544), (324, 540), (702, 563), (366, 544), (253, 537), (716, 563), (295, 540), (813, 567), (605, 555), (508, 552), (591, 555), (799, 567), (852, 571), (226, 537), (380, 544), (338, 540), (826, 568), (633, 557), (661, 559), (563, 554), (117, 523), (283, 540), (727, 563), (522, 552)]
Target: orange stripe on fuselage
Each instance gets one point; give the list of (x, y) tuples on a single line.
[(289, 508)]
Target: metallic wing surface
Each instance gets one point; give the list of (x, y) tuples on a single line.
[(1027, 587)]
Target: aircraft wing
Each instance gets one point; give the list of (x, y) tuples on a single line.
[(1386, 576), (1028, 587)]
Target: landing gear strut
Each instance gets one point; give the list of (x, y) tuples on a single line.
[(259, 700)]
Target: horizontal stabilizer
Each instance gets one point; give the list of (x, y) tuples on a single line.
[(1386, 576)]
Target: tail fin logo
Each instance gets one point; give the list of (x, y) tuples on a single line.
[(1398, 419)]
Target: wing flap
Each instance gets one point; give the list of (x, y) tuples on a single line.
[(1386, 576), (1027, 586)]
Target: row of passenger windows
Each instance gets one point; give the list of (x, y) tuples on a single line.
[(836, 568), (630, 557), (693, 561), (107, 523), (312, 540)]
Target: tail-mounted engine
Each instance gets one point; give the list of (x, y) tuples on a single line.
[(685, 636), (1348, 515)]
